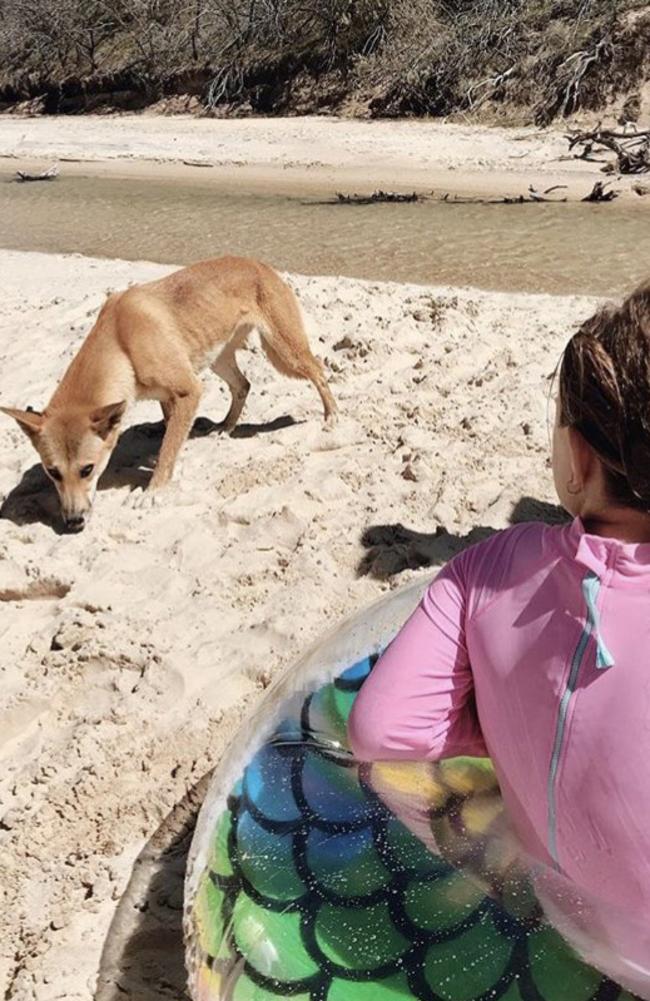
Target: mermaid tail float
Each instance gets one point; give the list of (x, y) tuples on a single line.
[(316, 878)]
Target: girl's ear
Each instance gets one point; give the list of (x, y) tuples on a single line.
[(584, 461)]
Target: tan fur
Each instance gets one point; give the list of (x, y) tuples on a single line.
[(151, 342)]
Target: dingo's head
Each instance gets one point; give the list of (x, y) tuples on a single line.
[(74, 447)]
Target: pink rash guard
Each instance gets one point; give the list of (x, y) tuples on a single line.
[(534, 648)]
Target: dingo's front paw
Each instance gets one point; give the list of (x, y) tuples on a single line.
[(145, 500)]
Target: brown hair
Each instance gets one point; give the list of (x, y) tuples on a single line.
[(605, 394)]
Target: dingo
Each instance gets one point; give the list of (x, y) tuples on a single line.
[(150, 342)]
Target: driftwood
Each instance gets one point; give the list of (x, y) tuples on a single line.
[(45, 175), (548, 196), (536, 196), (632, 151), (197, 163), (532, 198), (377, 197), (599, 194)]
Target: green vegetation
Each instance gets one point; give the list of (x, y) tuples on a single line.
[(532, 59)]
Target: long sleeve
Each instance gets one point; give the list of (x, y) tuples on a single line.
[(418, 703)]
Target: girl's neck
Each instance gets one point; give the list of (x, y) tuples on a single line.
[(623, 524)]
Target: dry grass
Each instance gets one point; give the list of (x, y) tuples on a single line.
[(543, 58)]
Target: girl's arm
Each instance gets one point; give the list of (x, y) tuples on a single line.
[(418, 703)]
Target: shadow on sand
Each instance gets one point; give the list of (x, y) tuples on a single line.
[(390, 549), (143, 957), (34, 499)]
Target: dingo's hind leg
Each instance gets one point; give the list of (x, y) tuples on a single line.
[(227, 368)]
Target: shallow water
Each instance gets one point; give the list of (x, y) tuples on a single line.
[(572, 248)]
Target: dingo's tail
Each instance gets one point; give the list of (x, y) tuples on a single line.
[(285, 343)]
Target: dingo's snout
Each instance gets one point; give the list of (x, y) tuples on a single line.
[(75, 509), (74, 522)]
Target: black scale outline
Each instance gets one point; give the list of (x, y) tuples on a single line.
[(411, 963)]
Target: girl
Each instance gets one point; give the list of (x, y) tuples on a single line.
[(534, 648)]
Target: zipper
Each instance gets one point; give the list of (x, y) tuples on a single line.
[(604, 659)]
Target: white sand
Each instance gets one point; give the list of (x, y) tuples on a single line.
[(310, 153), (130, 651)]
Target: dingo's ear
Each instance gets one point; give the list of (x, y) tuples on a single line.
[(31, 421), (105, 419)]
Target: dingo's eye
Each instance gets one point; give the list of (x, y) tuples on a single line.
[(54, 473), (85, 472)]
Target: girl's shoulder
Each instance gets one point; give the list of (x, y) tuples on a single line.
[(525, 541), (506, 558)]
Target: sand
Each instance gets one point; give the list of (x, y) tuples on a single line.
[(129, 652), (316, 154)]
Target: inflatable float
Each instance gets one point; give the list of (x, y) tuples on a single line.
[(316, 878)]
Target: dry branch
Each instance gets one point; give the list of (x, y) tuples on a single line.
[(580, 63), (44, 175), (632, 152), (599, 194), (536, 196), (376, 197)]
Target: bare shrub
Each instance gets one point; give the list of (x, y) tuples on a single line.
[(545, 57)]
